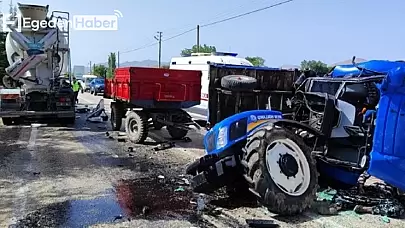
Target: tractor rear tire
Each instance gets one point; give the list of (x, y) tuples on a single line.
[(136, 127), (268, 168), (238, 82), (116, 116)]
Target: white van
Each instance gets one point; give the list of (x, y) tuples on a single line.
[(201, 62), (87, 79)]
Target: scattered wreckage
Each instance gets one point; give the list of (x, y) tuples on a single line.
[(338, 128)]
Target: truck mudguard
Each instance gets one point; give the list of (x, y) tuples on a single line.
[(236, 128), (387, 159)]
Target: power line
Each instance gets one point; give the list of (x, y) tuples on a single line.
[(212, 23), (244, 14), (140, 48), (180, 34), (219, 15), (156, 43)]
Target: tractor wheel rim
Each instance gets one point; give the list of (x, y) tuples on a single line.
[(133, 126), (288, 167)]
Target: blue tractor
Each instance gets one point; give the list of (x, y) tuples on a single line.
[(326, 137)]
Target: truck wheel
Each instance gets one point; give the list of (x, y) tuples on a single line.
[(236, 82), (116, 117), (282, 170), (176, 133), (136, 127)]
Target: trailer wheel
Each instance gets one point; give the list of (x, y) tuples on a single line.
[(136, 127), (176, 133), (282, 170), (236, 82), (116, 116)]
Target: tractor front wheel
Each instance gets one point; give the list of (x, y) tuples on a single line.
[(281, 171)]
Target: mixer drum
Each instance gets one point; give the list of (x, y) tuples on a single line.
[(15, 52)]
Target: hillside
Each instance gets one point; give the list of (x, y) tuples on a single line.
[(144, 63)]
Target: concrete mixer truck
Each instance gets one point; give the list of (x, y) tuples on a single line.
[(37, 85)]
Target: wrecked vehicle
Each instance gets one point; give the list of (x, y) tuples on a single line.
[(328, 136)]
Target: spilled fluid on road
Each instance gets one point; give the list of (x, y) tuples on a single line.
[(147, 198), (153, 198)]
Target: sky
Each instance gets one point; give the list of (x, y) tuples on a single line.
[(326, 30)]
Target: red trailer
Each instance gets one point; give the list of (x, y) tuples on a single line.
[(153, 97)]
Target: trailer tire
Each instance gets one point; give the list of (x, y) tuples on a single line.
[(116, 116), (238, 82), (263, 162), (136, 127)]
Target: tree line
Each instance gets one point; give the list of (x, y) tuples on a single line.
[(319, 67)]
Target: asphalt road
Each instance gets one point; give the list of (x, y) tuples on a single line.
[(54, 176)]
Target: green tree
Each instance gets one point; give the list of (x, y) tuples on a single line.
[(100, 70), (111, 65), (317, 66), (256, 60), (3, 56), (203, 49)]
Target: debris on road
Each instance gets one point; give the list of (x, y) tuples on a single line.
[(98, 114), (161, 177), (377, 199), (145, 210), (164, 146), (118, 217), (179, 189), (121, 140), (262, 223), (97, 119), (187, 139), (130, 149), (82, 110), (200, 204), (186, 181)]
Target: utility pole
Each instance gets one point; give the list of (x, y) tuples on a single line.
[(159, 38), (198, 38), (90, 67), (118, 59)]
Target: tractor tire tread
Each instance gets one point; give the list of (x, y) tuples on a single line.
[(270, 195)]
